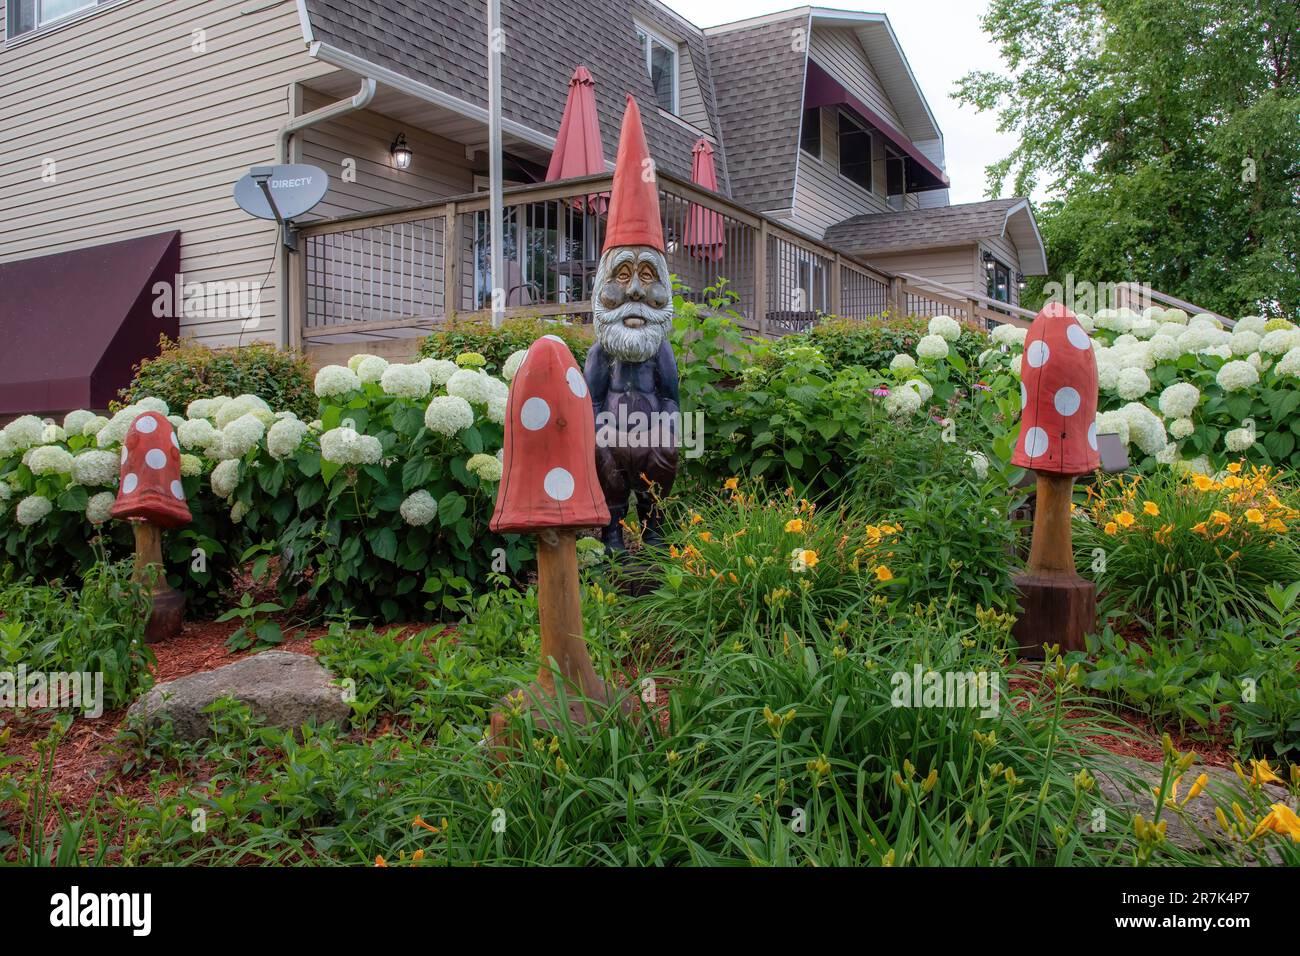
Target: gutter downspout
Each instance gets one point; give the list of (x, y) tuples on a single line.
[(358, 102)]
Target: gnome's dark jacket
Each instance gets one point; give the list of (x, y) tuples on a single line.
[(650, 386)]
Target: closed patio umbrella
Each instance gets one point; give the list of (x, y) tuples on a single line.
[(705, 234), (578, 149)]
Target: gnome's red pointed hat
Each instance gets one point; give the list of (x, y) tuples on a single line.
[(1058, 397), (549, 473), (634, 218), (151, 487)]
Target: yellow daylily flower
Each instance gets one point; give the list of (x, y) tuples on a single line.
[(1280, 819), (1151, 508), (794, 526), (883, 573)]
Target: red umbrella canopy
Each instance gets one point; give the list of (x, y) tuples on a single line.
[(705, 234), (1058, 397), (151, 487), (578, 148), (549, 476)]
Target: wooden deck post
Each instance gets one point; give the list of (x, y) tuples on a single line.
[(760, 278), (837, 286), (897, 301), (450, 263), (297, 293)]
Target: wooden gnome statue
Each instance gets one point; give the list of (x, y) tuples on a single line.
[(151, 496), (549, 488), (1058, 440), (630, 370)]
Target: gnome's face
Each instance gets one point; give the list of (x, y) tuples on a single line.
[(633, 304)]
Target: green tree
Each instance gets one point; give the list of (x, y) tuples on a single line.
[(1168, 135)]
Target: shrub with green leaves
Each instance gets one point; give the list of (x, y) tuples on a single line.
[(498, 344), (185, 371)]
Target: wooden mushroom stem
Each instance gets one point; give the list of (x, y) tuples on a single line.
[(1057, 605), (559, 609), (168, 604)]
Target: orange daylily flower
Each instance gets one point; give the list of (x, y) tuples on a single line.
[(794, 526)]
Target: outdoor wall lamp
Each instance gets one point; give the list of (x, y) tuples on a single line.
[(1020, 281), (988, 261), (401, 152)]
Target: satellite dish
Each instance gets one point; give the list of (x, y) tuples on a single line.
[(296, 188)]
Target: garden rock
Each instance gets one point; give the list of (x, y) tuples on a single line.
[(281, 689), (1128, 783)]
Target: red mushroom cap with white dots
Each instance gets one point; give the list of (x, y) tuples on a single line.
[(1058, 397), (151, 487), (549, 476)]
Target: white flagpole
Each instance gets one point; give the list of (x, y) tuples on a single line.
[(496, 225)]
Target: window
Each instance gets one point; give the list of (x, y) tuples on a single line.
[(27, 15), (999, 282), (810, 133), (855, 151), (812, 286), (661, 63)]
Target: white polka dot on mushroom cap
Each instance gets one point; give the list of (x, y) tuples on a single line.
[(124, 454), (577, 384), (534, 414), (1067, 401), (1035, 442), (146, 424), (554, 338), (558, 484), (1024, 396), (156, 459), (1037, 354), (129, 483), (178, 491), (1078, 337), (1092, 436), (175, 443)]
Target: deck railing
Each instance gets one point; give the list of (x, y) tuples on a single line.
[(394, 274)]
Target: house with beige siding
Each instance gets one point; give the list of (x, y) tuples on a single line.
[(129, 120)]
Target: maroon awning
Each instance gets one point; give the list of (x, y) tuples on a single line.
[(74, 323), (822, 89)]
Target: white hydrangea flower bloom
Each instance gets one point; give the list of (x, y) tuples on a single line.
[(191, 466), (979, 464), (1168, 455), (1280, 341), (238, 512), (1237, 376), (419, 508), (1087, 322), (1172, 329), (1132, 383), (1205, 319), (1145, 428), (285, 437), (370, 450), (922, 388), (197, 433), (946, 327), (932, 347), (1114, 423), (242, 405), (334, 380), (32, 509), (74, 422), (1251, 323), (496, 409), (512, 364), (52, 434), (448, 414), (1181, 428), (1259, 361), (440, 370), (1016, 362), (1177, 316), (355, 362), (225, 478), (1179, 400), (1163, 348), (206, 407), (24, 432), (485, 466), (1239, 439), (473, 386), (99, 507), (6, 445), (341, 446), (902, 362), (239, 437), (405, 381), (1145, 328), (371, 368), (903, 402), (50, 460), (5, 491), (1290, 364), (96, 468), (1245, 341), (1010, 335), (1197, 338)]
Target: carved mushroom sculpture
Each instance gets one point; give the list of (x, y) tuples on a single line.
[(1058, 440), (549, 488), (152, 497)]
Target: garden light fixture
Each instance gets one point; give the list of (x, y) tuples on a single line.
[(401, 153)]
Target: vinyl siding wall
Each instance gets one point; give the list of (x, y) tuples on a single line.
[(961, 266), (150, 136)]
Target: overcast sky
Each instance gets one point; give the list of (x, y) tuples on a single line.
[(942, 40)]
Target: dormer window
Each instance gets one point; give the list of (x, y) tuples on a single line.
[(661, 63), (855, 151), (25, 16)]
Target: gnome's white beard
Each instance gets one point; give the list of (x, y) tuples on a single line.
[(629, 343)]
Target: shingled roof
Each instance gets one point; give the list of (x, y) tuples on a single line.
[(442, 43), (758, 74), (943, 226)]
